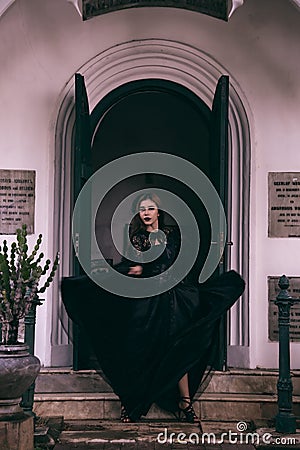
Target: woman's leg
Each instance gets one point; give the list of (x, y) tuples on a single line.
[(185, 402), (183, 386), (124, 415)]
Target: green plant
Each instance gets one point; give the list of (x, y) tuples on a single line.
[(20, 275)]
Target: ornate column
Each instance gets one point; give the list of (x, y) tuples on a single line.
[(285, 419)]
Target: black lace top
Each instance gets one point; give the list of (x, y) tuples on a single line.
[(141, 242)]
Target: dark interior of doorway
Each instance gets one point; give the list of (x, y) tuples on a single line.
[(149, 116)]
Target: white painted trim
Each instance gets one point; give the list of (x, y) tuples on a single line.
[(235, 4), (77, 5), (296, 3), (4, 5), (197, 71)]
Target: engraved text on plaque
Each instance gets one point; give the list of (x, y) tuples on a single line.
[(17, 200)]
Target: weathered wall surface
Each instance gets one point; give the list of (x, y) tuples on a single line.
[(42, 45)]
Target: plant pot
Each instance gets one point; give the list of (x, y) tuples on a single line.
[(18, 370)]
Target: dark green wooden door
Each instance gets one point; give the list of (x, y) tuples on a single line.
[(219, 177), (82, 171), (82, 157)]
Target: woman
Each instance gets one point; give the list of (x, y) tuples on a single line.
[(153, 349)]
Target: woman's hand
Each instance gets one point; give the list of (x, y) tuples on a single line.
[(135, 270)]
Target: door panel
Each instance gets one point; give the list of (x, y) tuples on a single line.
[(82, 160), (219, 177), (219, 146), (82, 169)]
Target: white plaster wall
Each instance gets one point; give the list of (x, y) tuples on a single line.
[(43, 43)]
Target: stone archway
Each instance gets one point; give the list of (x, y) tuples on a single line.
[(199, 72)]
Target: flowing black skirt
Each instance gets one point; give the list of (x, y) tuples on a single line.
[(145, 346)]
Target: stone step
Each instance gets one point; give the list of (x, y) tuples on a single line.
[(234, 395), (240, 381), (105, 434), (146, 431), (210, 406)]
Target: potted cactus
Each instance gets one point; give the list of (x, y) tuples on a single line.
[(20, 276)]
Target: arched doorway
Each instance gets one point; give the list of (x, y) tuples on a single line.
[(150, 115), (199, 72)]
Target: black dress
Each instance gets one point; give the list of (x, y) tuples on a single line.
[(144, 346)]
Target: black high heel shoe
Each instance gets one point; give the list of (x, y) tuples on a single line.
[(125, 418), (188, 412)]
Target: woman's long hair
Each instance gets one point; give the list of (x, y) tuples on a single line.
[(136, 223)]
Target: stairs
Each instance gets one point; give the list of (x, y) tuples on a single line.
[(232, 396)]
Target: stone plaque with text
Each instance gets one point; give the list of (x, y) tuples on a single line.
[(17, 200), (215, 8), (294, 291), (284, 204)]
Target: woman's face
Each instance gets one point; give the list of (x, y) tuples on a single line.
[(148, 212)]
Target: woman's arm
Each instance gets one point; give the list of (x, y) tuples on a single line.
[(128, 264), (135, 270), (167, 257), (172, 246)]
